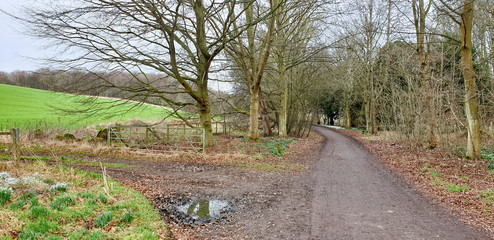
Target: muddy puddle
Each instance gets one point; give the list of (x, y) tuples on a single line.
[(195, 211), (204, 208)]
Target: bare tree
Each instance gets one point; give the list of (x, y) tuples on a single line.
[(466, 22), (251, 59), (420, 12), (465, 11), (296, 28), (177, 38), (364, 38)]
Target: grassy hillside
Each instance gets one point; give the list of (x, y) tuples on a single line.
[(29, 108)]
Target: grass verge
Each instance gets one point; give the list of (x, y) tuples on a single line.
[(62, 203), (75, 161)]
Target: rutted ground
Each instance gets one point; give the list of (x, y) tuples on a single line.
[(265, 204)]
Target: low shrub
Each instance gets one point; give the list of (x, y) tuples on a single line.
[(38, 229), (5, 195), (103, 220), (457, 188), (62, 202), (128, 217), (39, 212), (18, 205), (102, 198)]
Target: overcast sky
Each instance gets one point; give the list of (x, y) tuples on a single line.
[(15, 48)]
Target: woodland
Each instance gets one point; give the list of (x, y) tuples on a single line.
[(422, 70)]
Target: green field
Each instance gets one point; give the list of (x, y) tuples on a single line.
[(29, 108)]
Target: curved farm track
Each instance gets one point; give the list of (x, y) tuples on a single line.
[(346, 194)]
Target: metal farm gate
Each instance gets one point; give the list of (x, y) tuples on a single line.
[(158, 139)]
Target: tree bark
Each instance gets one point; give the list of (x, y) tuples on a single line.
[(347, 121), (473, 141), (370, 99), (283, 97), (205, 121), (204, 108), (282, 75), (420, 13), (266, 124), (254, 111), (367, 112), (254, 68), (373, 115)]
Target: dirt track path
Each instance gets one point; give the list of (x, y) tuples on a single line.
[(347, 194), (355, 197)]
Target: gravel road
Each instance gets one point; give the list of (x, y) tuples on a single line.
[(355, 197)]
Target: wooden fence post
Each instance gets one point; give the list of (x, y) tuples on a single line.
[(203, 141), (225, 130), (14, 133), (147, 135), (109, 135), (167, 133)]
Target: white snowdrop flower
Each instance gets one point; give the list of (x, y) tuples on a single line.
[(31, 181), (59, 186), (11, 181), (4, 175), (5, 188)]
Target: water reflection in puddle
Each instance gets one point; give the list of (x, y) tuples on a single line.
[(202, 209)]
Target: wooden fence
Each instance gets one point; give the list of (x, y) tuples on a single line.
[(217, 126), (173, 138), (14, 133)]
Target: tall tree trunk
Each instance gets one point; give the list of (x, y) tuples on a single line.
[(388, 36), (473, 142), (266, 124), (255, 68), (283, 100), (492, 73), (347, 121), (373, 115), (367, 112), (372, 103), (205, 117), (370, 112), (491, 47), (491, 51), (282, 75), (254, 112), (205, 121), (203, 65), (420, 13), (253, 84)]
